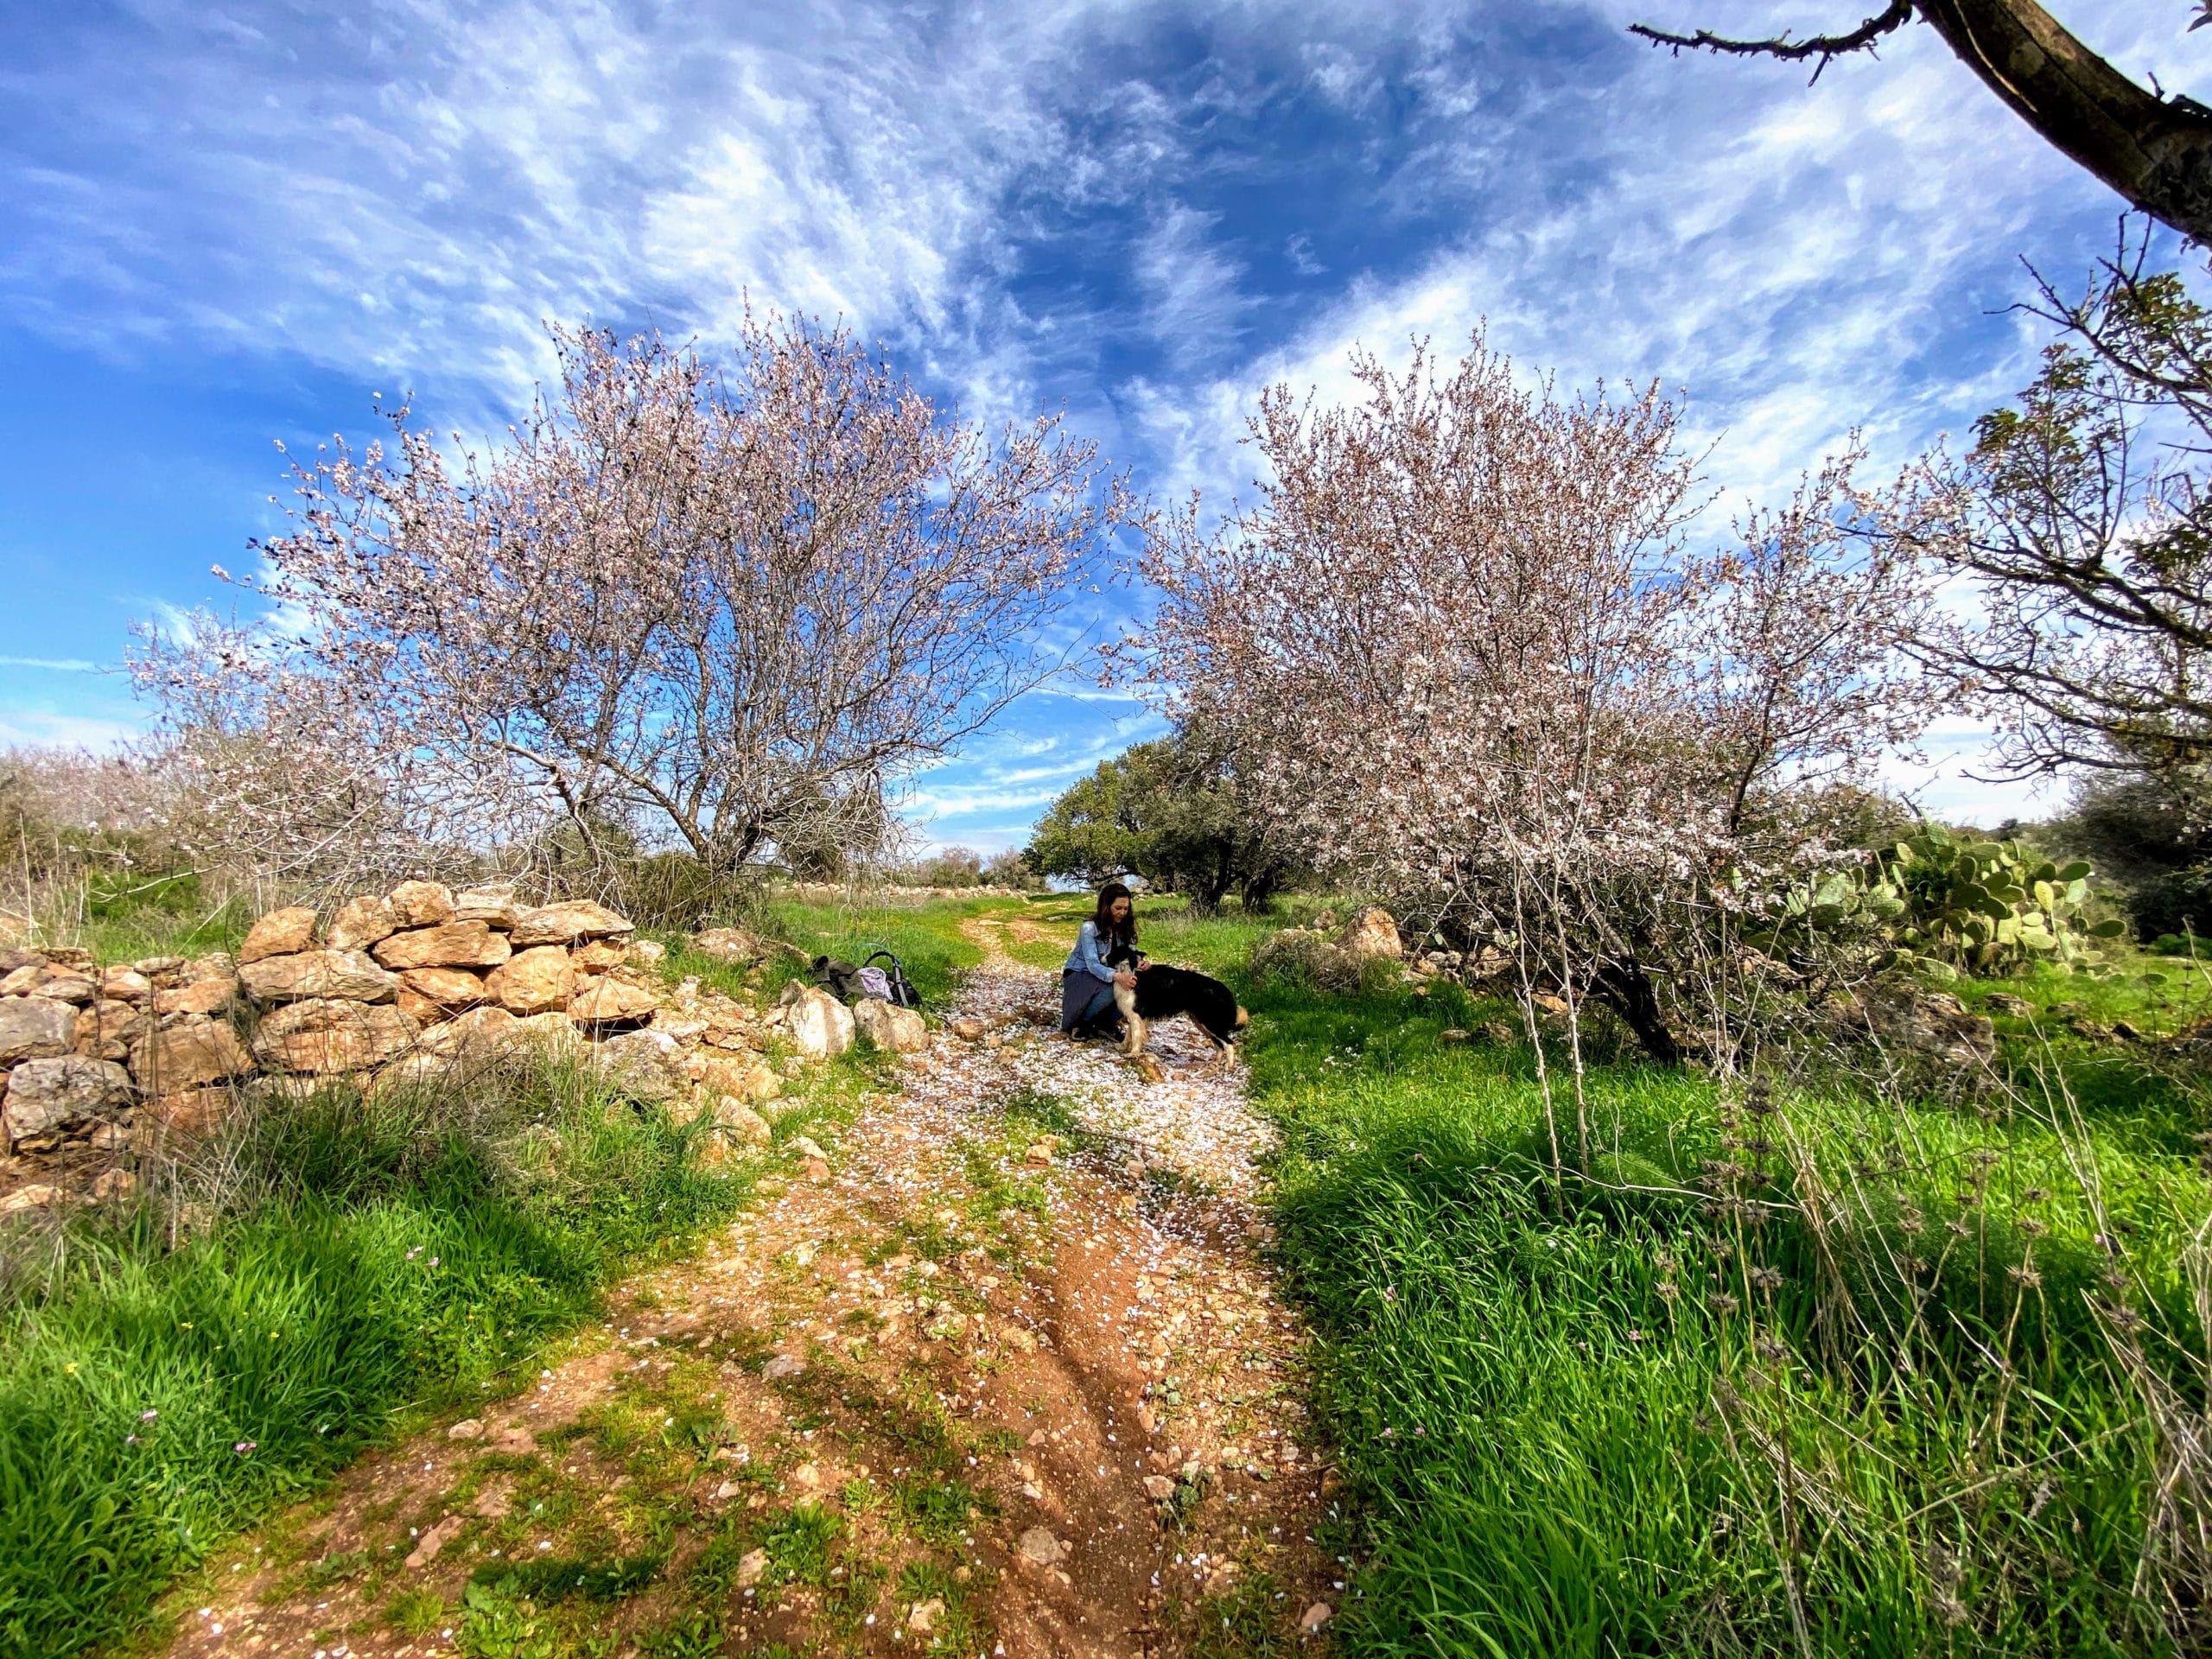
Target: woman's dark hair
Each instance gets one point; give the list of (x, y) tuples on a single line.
[(1103, 916)]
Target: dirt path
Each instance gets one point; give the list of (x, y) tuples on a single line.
[(1000, 1373)]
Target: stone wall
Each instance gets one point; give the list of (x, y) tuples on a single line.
[(101, 1062)]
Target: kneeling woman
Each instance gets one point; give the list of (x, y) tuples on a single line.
[(1087, 982)]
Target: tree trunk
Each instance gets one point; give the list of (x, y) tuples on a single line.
[(2155, 152), (1624, 987)]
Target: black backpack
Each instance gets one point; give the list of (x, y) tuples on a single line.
[(903, 994), (849, 983)]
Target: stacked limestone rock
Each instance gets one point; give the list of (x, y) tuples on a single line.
[(396, 987)]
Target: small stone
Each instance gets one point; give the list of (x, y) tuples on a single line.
[(753, 1565), (428, 1545), (516, 1439), (114, 1184), (807, 1478), (1452, 1034), (1222, 1580), (1159, 1486), (493, 1504), (199, 997), (280, 933), (922, 1617), (1039, 1152), (1018, 1337), (1315, 1616), (806, 1148), (468, 1428), (1038, 1545), (493, 905), (126, 985), (784, 1365), (968, 1031)]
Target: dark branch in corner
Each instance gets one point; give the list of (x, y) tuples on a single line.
[(1826, 48)]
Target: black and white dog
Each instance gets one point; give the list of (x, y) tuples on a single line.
[(1162, 993)]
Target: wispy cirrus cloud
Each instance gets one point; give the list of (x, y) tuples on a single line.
[(1138, 211)]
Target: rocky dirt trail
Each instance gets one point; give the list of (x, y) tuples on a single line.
[(999, 1371)]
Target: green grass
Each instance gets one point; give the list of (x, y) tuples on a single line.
[(1581, 1422), (372, 1261)]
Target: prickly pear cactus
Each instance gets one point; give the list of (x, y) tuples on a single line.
[(1984, 907), (1949, 905)]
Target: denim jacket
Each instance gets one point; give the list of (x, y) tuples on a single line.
[(1084, 957)]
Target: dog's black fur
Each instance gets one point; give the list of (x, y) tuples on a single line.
[(1162, 992)]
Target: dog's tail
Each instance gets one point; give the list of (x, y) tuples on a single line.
[(1243, 1018)]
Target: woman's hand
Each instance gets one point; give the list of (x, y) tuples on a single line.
[(1125, 979)]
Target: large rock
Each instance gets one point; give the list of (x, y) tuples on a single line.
[(361, 923), (818, 1025), (1371, 934), (533, 980), (45, 1095), (641, 1064), (610, 1002), (34, 1028), (897, 1030), (188, 1052), (565, 924), (324, 1035), (449, 989), (104, 1031), (492, 904), (340, 975), (420, 904), (125, 985), (280, 933), (452, 945)]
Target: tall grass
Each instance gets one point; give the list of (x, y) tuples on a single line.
[(288, 1297), (1795, 1370)]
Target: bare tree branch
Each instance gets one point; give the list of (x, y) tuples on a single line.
[(1825, 48), (2155, 151)]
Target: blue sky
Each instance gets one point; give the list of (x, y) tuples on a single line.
[(222, 225)]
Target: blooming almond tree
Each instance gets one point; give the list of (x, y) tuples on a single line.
[(723, 604), (1461, 644)]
